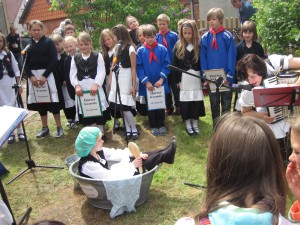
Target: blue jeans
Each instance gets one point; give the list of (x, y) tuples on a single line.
[(215, 99)]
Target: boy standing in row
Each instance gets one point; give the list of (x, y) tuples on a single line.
[(218, 51)]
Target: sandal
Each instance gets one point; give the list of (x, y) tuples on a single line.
[(21, 137), (11, 139), (128, 135)]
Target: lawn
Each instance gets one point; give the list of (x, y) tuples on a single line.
[(51, 195)]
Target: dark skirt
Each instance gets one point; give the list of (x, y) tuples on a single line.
[(43, 108), (119, 107), (99, 120), (192, 110)]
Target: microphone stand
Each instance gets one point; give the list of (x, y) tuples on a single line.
[(218, 82), (30, 163), (116, 70)]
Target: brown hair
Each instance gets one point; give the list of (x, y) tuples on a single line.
[(249, 26), (215, 12), (130, 17), (4, 47), (104, 33), (121, 32), (149, 30), (56, 38), (69, 27), (253, 62), (85, 37), (237, 168), (36, 22), (181, 46)]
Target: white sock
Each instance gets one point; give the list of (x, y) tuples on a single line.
[(194, 123), (188, 124), (19, 130), (129, 121)]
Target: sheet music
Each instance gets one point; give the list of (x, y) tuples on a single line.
[(10, 117)]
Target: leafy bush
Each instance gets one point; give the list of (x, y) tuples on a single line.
[(108, 13), (278, 22)]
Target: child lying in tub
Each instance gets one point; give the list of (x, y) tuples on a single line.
[(94, 157)]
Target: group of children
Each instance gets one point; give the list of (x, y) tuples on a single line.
[(124, 81)]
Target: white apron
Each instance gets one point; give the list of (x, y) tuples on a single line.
[(190, 87), (51, 83)]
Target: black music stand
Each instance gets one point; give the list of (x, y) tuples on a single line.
[(116, 70), (30, 163)]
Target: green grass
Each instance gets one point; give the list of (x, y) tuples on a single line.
[(50, 191)]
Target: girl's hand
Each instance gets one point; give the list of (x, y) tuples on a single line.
[(42, 80), (94, 89), (149, 86), (293, 179), (20, 89), (144, 156), (78, 90), (133, 92), (137, 162), (267, 118), (178, 85), (34, 81), (159, 83), (64, 83)]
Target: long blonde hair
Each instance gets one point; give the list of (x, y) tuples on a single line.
[(181, 45), (105, 33)]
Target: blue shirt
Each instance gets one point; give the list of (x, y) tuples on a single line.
[(154, 71), (223, 57), (246, 11)]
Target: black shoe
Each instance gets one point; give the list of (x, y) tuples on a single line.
[(21, 137), (170, 152), (43, 132), (11, 139), (190, 131)]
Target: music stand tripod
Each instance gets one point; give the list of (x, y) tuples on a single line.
[(116, 69), (30, 163)]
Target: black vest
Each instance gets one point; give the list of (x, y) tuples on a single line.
[(89, 157), (124, 57), (6, 61), (86, 68), (108, 60)]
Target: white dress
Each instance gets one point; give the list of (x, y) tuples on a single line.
[(125, 84), (7, 93), (190, 86)]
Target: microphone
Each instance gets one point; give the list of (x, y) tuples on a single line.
[(241, 87), (25, 50), (118, 50)]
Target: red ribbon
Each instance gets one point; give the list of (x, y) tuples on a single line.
[(151, 47), (214, 43), (163, 34)]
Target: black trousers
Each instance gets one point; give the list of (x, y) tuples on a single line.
[(156, 118)]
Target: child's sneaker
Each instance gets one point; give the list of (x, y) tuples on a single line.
[(73, 125), (59, 132)]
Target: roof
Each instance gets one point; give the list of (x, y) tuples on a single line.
[(40, 10)]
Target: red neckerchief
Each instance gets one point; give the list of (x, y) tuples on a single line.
[(151, 47), (214, 43), (163, 34)]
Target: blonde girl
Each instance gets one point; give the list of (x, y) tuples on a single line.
[(132, 25), (186, 57), (88, 73)]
